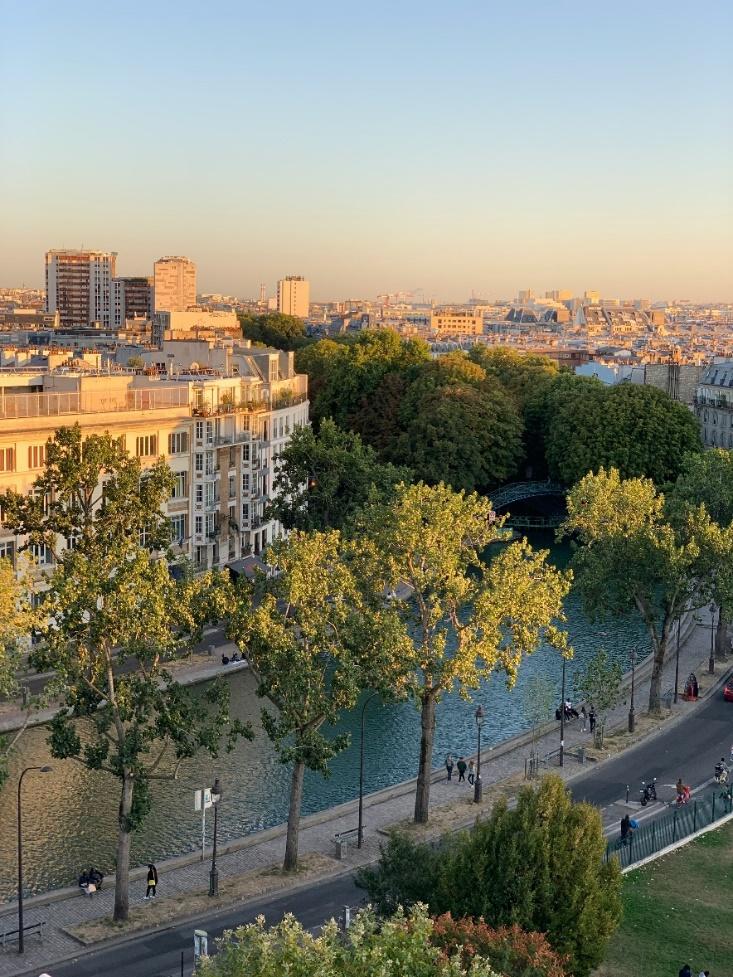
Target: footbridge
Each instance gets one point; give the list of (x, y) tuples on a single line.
[(518, 491)]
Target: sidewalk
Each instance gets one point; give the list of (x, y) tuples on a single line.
[(383, 809)]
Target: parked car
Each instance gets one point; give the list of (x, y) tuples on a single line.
[(728, 690)]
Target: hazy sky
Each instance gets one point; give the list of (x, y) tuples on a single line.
[(374, 147)]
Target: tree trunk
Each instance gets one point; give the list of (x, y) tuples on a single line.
[(721, 636), (122, 870), (655, 686), (296, 796), (427, 722)]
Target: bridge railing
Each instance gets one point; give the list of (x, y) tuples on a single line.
[(516, 491)]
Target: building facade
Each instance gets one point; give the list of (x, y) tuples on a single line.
[(79, 286), (132, 298), (221, 432), (174, 284), (454, 322), (293, 296), (714, 405)]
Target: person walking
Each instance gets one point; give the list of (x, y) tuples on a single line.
[(449, 766), (152, 881), (592, 719), (584, 717), (461, 765), (471, 772)]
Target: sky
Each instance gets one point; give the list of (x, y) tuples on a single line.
[(457, 148)]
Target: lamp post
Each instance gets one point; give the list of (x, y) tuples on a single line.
[(214, 873), (711, 662), (360, 830), (478, 786), (632, 713), (21, 946), (562, 717), (677, 660)]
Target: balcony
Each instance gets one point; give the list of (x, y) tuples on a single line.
[(225, 440), (55, 404)]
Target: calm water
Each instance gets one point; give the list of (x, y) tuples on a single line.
[(69, 814)]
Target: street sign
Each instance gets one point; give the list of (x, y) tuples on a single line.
[(200, 944), (202, 797)]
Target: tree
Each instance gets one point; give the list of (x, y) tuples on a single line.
[(114, 619), (708, 479), (311, 639), (633, 559), (638, 430), (324, 478), (510, 949), (464, 616), (599, 684), (539, 865), (402, 946), (274, 329), (17, 619), (521, 375), (539, 698)]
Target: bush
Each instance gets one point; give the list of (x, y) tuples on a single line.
[(509, 949)]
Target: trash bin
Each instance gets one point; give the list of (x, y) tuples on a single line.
[(581, 754), (342, 848)]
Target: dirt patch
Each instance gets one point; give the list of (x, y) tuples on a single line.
[(238, 888)]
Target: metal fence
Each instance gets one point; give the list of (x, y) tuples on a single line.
[(650, 838)]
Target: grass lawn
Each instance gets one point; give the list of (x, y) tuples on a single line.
[(677, 910)]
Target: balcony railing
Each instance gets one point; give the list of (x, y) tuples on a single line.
[(53, 404)]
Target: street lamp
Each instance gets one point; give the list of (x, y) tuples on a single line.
[(711, 662), (562, 717), (478, 786), (632, 714), (214, 874), (21, 946), (360, 829)]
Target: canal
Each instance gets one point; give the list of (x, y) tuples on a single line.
[(69, 814)]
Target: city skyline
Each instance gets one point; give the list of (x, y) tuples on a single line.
[(451, 151)]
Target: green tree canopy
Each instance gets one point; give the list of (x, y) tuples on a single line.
[(633, 559), (464, 615), (539, 865), (274, 329), (522, 375), (313, 642), (398, 947), (323, 479), (17, 619), (638, 430)]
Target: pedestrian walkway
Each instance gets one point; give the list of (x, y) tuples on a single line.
[(382, 810)]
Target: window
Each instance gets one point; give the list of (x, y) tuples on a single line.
[(180, 488), (199, 461), (41, 554), (232, 486), (199, 495), (199, 524), (209, 432), (7, 459), (177, 443), (36, 455), (245, 453), (245, 512), (245, 482), (210, 495), (199, 430), (232, 457), (7, 550), (178, 528), (209, 462), (210, 524), (146, 445)]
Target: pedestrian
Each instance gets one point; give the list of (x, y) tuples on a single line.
[(584, 717), (704, 973), (461, 769), (449, 766), (471, 773), (686, 971), (152, 881), (592, 719), (626, 829)]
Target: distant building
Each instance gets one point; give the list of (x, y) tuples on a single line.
[(714, 405), (452, 322), (175, 284), (132, 298), (525, 296), (78, 286), (195, 324), (592, 298), (293, 296)]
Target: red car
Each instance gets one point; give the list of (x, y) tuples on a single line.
[(728, 690)]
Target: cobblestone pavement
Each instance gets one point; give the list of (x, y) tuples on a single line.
[(381, 810)]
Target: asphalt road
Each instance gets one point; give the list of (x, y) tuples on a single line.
[(689, 749)]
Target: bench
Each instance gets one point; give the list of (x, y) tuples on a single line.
[(12, 936), (342, 839)]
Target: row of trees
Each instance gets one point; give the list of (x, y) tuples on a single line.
[(476, 420)]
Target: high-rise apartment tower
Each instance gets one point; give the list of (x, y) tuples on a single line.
[(132, 298), (293, 296), (175, 284), (78, 286)]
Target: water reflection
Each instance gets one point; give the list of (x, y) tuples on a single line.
[(69, 815)]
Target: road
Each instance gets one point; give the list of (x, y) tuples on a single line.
[(689, 749)]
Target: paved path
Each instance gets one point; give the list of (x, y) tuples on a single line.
[(705, 722)]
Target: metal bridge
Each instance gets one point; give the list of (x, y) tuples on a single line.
[(517, 491)]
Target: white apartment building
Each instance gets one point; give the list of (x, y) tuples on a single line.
[(174, 284), (293, 296), (220, 431), (78, 286)]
